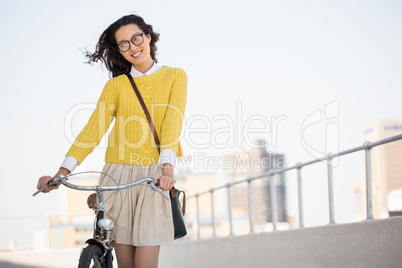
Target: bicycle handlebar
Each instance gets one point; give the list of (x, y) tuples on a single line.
[(99, 188)]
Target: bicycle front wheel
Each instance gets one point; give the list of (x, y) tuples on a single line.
[(91, 257)]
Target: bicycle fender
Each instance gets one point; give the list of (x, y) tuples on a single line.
[(92, 241)]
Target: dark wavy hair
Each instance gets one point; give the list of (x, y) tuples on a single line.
[(108, 52)]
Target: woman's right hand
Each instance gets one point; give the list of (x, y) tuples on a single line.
[(45, 180)]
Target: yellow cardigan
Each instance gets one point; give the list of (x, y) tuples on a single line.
[(131, 140)]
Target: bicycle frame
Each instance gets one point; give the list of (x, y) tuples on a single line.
[(102, 235), (102, 239)]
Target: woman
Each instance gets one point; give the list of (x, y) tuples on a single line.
[(145, 221)]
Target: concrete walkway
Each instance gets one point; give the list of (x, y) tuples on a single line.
[(65, 258)]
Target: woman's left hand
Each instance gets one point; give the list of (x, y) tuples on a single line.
[(166, 182)]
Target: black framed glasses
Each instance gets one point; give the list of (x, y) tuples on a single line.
[(136, 40)]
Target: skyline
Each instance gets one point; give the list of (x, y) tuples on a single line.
[(278, 59)]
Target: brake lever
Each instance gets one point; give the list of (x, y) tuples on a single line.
[(153, 186), (40, 190)]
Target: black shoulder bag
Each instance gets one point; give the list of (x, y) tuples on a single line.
[(177, 211)]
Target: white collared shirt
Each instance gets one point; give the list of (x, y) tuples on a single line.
[(135, 73), (166, 155)]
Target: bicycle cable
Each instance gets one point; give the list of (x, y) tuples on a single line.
[(100, 182)]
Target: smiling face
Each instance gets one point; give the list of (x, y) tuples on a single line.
[(139, 56)]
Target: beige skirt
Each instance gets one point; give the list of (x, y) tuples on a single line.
[(142, 216)]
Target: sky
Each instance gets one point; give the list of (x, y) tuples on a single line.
[(306, 76)]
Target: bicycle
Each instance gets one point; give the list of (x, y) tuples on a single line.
[(98, 252)]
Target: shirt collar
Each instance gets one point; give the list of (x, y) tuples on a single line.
[(135, 73)]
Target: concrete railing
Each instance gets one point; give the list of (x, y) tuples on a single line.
[(368, 244)]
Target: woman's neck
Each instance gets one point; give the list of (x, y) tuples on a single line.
[(145, 67)]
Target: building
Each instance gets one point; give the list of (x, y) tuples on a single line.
[(232, 168), (253, 162), (386, 165)]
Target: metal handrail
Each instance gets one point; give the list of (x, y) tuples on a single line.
[(367, 146)]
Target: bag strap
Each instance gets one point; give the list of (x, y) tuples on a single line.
[(151, 124), (173, 195), (184, 201), (144, 107)]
